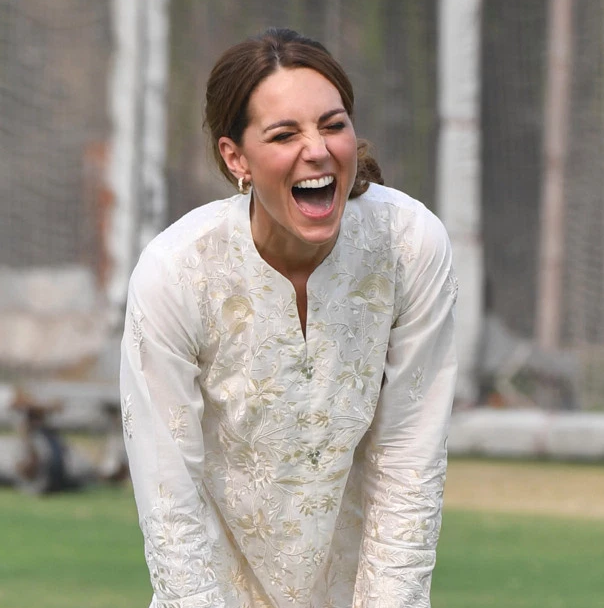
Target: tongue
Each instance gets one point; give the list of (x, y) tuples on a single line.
[(313, 200)]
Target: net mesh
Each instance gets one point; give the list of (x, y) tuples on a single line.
[(52, 112), (584, 221), (54, 128)]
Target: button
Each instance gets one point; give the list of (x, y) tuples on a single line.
[(307, 371), (314, 457)]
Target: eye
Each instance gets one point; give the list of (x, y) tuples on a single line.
[(336, 126), (284, 136)]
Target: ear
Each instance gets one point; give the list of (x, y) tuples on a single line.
[(233, 157)]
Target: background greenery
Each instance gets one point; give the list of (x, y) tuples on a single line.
[(85, 549)]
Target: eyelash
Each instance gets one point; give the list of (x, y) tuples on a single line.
[(281, 137)]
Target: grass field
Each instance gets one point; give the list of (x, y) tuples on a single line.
[(72, 550), (491, 560), (497, 550)]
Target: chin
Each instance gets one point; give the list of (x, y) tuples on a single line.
[(320, 236)]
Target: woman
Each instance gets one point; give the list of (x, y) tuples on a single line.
[(288, 360)]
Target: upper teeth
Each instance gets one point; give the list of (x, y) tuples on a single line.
[(315, 183)]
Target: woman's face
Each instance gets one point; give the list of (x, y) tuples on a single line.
[(299, 150)]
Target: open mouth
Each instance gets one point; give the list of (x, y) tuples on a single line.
[(314, 197)]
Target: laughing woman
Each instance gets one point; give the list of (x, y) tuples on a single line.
[(288, 364)]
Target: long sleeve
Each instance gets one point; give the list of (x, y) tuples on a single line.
[(161, 410), (405, 459)]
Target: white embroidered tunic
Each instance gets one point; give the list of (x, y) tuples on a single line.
[(274, 470)]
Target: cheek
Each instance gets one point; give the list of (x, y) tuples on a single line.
[(347, 151), (273, 166)]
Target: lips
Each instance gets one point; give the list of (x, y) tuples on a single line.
[(315, 197)]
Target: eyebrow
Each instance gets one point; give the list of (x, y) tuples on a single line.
[(293, 123)]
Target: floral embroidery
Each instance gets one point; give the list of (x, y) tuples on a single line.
[(292, 528), (417, 380), (357, 375), (452, 285), (236, 313), (178, 422), (265, 424), (406, 507), (263, 392), (178, 548), (137, 318), (127, 415), (375, 291), (254, 525), (258, 467)]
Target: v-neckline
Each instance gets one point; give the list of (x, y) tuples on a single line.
[(244, 217)]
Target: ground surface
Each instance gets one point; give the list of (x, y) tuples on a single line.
[(526, 487), (498, 548)]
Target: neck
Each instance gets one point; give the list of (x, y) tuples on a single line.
[(291, 257), (288, 259)]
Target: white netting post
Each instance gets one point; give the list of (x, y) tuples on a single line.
[(123, 91), (458, 172), (153, 202), (138, 147)]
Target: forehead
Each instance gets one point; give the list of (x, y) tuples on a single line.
[(290, 93)]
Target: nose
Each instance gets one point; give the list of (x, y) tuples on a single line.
[(315, 149)]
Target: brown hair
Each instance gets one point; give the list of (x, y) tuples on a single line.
[(244, 66)]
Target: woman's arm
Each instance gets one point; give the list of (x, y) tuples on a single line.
[(161, 410), (405, 461)]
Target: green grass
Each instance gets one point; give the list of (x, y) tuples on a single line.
[(488, 560), (71, 550), (85, 550)]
